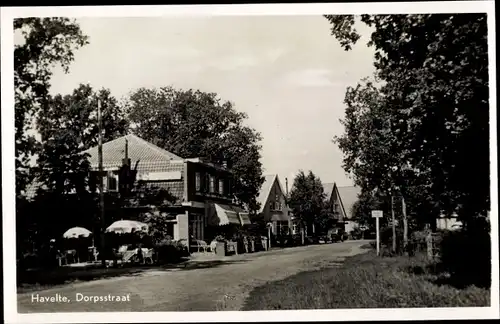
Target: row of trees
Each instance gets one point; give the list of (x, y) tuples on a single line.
[(187, 123), (419, 128)]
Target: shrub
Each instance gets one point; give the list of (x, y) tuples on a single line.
[(386, 237), (168, 251), (220, 238), (356, 233), (417, 242), (466, 255)]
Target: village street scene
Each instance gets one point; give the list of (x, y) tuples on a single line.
[(240, 163)]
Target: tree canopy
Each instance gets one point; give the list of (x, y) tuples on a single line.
[(429, 112), (308, 201), (68, 125), (192, 123), (46, 42)]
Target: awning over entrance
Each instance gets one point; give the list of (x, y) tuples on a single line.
[(227, 214)]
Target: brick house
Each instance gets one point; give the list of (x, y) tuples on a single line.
[(342, 200), (273, 206), (202, 190)]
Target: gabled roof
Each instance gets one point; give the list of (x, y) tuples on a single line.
[(348, 196), (151, 156), (265, 190), (328, 189)]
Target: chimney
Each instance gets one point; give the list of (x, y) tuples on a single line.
[(126, 160), (286, 186)]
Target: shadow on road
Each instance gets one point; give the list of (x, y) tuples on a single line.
[(45, 279)]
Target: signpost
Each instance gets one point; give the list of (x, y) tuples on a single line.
[(269, 228), (377, 214)]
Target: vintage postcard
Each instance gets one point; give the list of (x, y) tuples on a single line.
[(249, 162)]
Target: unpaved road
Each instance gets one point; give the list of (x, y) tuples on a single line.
[(204, 285)]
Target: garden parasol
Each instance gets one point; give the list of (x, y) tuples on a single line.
[(127, 226), (76, 232)]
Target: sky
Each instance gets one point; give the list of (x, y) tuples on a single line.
[(287, 73)]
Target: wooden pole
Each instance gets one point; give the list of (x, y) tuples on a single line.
[(269, 237), (101, 185), (393, 225), (377, 224)]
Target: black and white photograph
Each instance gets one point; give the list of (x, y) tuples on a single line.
[(198, 163)]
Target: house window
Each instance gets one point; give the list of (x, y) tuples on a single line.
[(282, 227), (112, 182), (212, 184), (104, 183), (221, 187), (198, 181), (294, 229)]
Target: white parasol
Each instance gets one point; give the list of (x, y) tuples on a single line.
[(77, 232), (127, 226)]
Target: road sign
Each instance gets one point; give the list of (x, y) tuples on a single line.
[(377, 213)]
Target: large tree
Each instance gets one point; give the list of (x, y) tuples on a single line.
[(434, 84), (307, 200), (199, 124), (45, 43), (68, 125)]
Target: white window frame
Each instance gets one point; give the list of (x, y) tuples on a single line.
[(221, 186), (109, 176), (211, 184), (197, 180)]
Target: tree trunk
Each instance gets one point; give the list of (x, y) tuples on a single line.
[(405, 226), (428, 240), (393, 226), (302, 234)]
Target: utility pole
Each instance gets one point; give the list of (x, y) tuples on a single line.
[(393, 225), (101, 185)]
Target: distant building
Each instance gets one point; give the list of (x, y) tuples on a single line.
[(448, 222), (273, 206), (329, 189), (342, 200)]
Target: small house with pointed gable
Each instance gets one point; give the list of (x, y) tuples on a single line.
[(342, 200), (273, 206)]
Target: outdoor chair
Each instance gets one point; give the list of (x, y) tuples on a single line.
[(202, 245), (73, 255), (213, 245)]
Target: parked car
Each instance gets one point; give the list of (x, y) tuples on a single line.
[(325, 239), (338, 235)]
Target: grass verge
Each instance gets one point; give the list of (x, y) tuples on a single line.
[(366, 281)]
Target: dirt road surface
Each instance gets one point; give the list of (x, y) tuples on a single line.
[(205, 284)]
